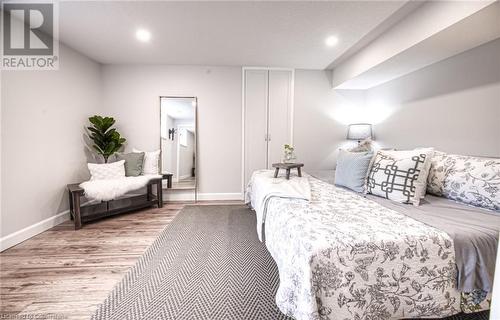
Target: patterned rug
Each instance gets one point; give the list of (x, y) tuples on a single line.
[(207, 264)]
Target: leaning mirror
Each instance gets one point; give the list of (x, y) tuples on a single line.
[(178, 145)]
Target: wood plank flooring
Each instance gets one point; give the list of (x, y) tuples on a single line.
[(64, 274)]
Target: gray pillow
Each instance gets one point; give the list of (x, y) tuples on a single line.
[(133, 163), (352, 168)]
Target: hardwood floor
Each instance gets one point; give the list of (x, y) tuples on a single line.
[(64, 274)]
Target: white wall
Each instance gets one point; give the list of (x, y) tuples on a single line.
[(168, 147), (315, 133), (321, 116), (453, 105), (186, 153), (427, 21), (42, 125), (132, 96)]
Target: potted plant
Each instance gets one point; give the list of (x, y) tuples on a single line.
[(107, 140)]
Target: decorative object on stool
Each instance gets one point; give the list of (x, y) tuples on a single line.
[(359, 131), (107, 140), (289, 155), (287, 167)]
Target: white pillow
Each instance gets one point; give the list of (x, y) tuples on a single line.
[(400, 175), (107, 171), (151, 163)]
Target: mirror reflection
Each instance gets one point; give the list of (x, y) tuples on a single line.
[(178, 140)]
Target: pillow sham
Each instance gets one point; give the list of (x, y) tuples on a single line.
[(351, 169), (151, 164), (133, 163), (471, 180), (400, 176), (107, 171)]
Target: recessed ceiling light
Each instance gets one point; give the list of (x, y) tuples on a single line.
[(331, 41), (143, 35)]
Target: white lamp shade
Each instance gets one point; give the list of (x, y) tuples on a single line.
[(359, 131)]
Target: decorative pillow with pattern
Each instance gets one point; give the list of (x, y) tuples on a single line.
[(472, 180), (107, 171), (399, 175), (151, 163)]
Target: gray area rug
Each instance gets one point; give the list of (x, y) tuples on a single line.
[(207, 264)]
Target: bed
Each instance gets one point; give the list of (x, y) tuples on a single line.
[(342, 255)]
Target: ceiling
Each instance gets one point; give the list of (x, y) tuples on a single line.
[(460, 28), (238, 33)]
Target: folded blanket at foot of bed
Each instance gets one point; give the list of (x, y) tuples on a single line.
[(263, 187), (106, 190)]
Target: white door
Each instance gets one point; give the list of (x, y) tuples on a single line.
[(255, 108), (280, 113)]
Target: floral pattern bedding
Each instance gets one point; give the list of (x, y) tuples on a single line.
[(341, 256), (472, 180)]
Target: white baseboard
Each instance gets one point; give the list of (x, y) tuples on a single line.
[(188, 195), (184, 177), (220, 196), (31, 231), (39, 227), (179, 195)]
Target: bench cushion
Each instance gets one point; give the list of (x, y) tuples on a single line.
[(106, 190)]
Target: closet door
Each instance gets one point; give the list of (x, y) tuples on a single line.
[(279, 114), (255, 108)]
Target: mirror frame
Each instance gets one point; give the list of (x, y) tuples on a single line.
[(195, 98)]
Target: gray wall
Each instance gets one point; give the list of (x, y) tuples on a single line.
[(43, 117), (131, 94), (321, 116), (453, 105), (315, 133)]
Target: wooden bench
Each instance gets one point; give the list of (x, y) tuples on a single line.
[(82, 214)]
